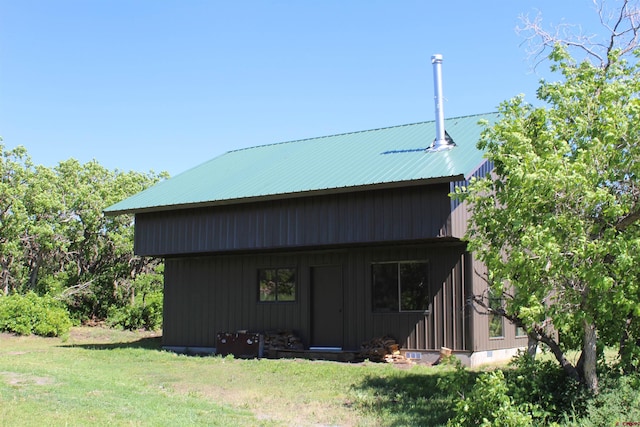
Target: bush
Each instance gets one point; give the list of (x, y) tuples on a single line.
[(489, 404), (458, 383), (617, 403), (144, 315), (31, 314), (543, 385)]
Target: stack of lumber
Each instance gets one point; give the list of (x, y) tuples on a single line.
[(282, 340), (384, 349)]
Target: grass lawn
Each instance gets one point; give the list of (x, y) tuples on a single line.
[(106, 377)]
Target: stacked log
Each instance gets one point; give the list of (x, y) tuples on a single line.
[(384, 349), (282, 340)]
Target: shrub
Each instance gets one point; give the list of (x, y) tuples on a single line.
[(146, 314), (543, 385), (489, 404), (458, 383), (33, 314), (617, 403)]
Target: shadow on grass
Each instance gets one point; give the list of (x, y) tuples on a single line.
[(149, 343), (411, 399)]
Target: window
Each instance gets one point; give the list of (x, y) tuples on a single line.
[(496, 322), (400, 286), (520, 332), (277, 284)]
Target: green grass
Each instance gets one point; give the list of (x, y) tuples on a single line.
[(106, 377)]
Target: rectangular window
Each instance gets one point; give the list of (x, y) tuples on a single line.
[(520, 332), (496, 322), (400, 286), (277, 284)]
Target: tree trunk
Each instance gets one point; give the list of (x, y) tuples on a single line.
[(532, 347), (35, 269), (627, 346), (568, 368), (589, 374)]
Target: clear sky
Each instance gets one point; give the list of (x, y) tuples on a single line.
[(165, 85)]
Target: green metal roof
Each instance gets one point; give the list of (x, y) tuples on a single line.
[(331, 163)]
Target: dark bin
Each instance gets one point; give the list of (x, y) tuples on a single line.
[(240, 344)]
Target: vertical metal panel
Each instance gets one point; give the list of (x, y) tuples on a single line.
[(480, 322), (207, 295), (460, 212), (403, 214)]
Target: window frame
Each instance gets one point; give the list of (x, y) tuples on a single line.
[(399, 288), (277, 300)]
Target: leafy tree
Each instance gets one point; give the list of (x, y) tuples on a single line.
[(14, 176), (556, 222), (54, 238), (99, 248)]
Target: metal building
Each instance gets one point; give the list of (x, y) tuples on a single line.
[(340, 238)]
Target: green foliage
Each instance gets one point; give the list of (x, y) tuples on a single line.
[(528, 392), (32, 314), (145, 314), (144, 310), (617, 403), (533, 392), (489, 404), (457, 384), (54, 238), (545, 388), (556, 221)]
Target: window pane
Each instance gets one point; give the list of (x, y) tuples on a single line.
[(414, 286), (277, 284), (385, 287), (268, 286), (496, 322), (286, 284)]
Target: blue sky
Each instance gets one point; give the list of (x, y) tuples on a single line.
[(165, 85)]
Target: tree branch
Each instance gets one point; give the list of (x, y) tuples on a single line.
[(624, 34), (535, 332), (628, 220)]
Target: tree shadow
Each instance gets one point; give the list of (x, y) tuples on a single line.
[(148, 343), (411, 399)]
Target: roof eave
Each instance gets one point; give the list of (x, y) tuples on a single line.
[(282, 196)]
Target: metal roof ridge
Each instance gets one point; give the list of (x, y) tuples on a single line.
[(355, 132)]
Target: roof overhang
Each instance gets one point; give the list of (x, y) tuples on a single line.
[(284, 196)]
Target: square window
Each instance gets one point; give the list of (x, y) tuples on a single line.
[(400, 286), (277, 284)]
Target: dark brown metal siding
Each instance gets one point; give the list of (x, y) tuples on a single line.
[(480, 322), (460, 212), (402, 214), (207, 295)]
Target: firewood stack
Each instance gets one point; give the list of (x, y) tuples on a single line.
[(384, 349), (282, 340)]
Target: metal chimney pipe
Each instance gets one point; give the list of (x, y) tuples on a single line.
[(440, 142)]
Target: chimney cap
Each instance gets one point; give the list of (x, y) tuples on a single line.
[(436, 57)]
